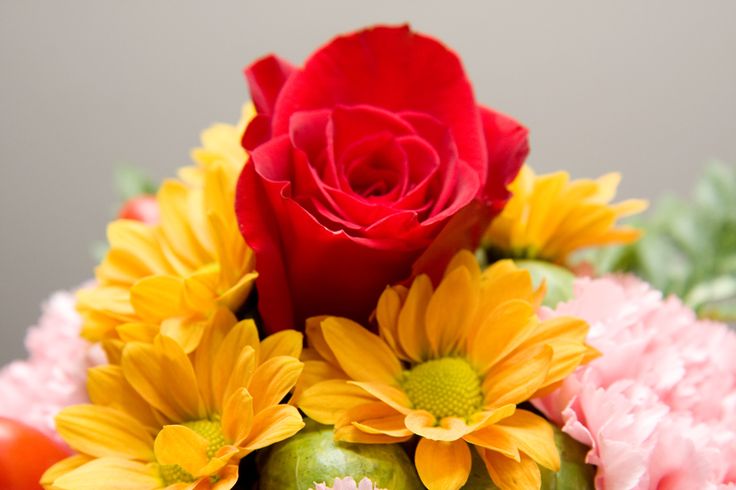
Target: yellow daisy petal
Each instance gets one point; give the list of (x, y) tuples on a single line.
[(137, 332), (228, 477), (237, 417), (425, 424), (454, 469), (186, 333), (179, 445), (361, 354), (501, 332), (315, 371), (101, 431), (532, 435), (114, 300), (352, 434), (387, 315), (173, 197), (630, 207), (273, 424), (107, 386), (158, 297), (110, 474), (548, 189), (518, 377), (206, 357), (283, 343), (135, 236), (566, 337), (554, 329), (317, 342), (217, 462), (391, 396), (235, 296), (198, 290), (149, 369), (450, 311), (375, 418), (499, 285), (235, 355), (412, 329), (113, 349), (496, 440), (62, 467), (326, 401), (272, 380), (465, 259), (509, 474), (239, 375)]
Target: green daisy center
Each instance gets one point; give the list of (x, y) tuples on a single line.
[(210, 430), (447, 387)]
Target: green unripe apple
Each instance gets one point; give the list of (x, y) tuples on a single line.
[(313, 456)]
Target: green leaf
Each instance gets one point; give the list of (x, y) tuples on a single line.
[(712, 291), (689, 246)]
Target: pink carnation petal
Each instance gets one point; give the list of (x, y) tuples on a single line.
[(55, 373)]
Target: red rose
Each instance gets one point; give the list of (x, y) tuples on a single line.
[(359, 161)]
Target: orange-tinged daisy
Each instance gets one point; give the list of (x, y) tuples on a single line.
[(163, 419), (448, 365), (549, 217), (171, 276)]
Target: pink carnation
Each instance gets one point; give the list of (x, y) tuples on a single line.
[(348, 483), (659, 407), (55, 373)]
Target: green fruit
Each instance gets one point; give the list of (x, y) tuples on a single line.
[(559, 280), (574, 474), (312, 456)]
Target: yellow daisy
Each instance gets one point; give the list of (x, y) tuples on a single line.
[(449, 365), (549, 217), (171, 276), (163, 419)]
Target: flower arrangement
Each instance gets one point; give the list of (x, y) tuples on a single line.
[(362, 285)]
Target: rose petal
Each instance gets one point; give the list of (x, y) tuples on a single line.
[(508, 146), (382, 66), (265, 79)]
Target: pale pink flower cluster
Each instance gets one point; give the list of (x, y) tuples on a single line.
[(55, 373), (658, 408), (348, 483)]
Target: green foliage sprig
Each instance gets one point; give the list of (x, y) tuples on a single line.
[(689, 246)]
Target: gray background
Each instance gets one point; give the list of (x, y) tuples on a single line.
[(644, 87)]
